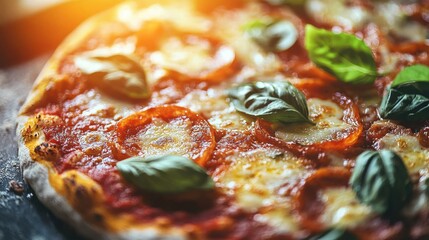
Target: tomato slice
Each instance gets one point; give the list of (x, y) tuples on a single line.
[(313, 88), (186, 55), (165, 130), (189, 56), (307, 200)]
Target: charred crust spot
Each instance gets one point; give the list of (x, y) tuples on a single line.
[(16, 187), (48, 151), (83, 198), (98, 217), (81, 193), (72, 182)]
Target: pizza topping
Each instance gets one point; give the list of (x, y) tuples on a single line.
[(343, 55), (327, 117), (386, 15), (117, 74), (275, 36), (337, 12), (181, 15), (312, 198), (215, 107), (195, 56), (381, 128), (413, 73), (342, 208), (380, 180), (414, 155), (407, 99), (258, 179), (273, 101), (165, 174), (336, 117), (229, 27), (166, 130)]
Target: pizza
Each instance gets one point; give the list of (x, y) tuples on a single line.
[(244, 119)]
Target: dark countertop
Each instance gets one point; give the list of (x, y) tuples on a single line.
[(21, 216)]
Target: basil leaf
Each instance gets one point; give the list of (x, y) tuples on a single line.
[(343, 55), (272, 101), (401, 104), (165, 174), (407, 99), (380, 180), (335, 234), (272, 35), (415, 73), (117, 74)]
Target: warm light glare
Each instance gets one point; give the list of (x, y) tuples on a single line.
[(12, 10)]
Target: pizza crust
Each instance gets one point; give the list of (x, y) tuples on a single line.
[(37, 176)]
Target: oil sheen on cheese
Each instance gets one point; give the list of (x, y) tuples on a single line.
[(256, 178), (328, 118), (164, 138)]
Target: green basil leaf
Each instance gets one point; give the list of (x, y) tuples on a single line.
[(117, 74), (343, 55), (415, 73), (334, 234), (381, 180), (401, 106), (272, 35), (407, 99), (165, 174), (272, 101)]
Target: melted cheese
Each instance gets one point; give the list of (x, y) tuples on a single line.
[(342, 208), (92, 143), (102, 105), (213, 105), (163, 138), (415, 157), (420, 202), (229, 27), (336, 12), (388, 15), (191, 57), (328, 118), (256, 178), (180, 15), (175, 54)]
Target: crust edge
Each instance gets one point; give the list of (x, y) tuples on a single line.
[(37, 176)]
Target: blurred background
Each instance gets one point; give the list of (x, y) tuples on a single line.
[(29, 28)]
